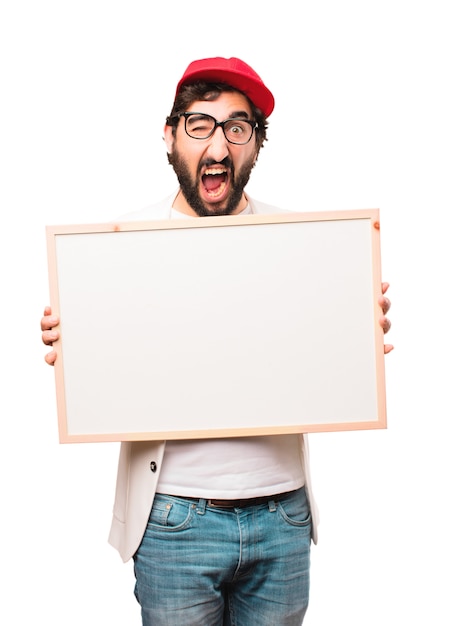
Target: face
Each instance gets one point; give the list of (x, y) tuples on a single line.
[(212, 172)]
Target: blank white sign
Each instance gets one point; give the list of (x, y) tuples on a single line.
[(216, 327)]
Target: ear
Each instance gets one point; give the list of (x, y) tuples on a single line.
[(168, 138)]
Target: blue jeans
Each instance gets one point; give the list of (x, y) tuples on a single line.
[(204, 566)]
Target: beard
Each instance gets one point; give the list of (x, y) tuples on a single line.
[(189, 187)]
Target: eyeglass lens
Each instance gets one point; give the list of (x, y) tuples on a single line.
[(236, 131)]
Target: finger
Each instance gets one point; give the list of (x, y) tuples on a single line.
[(384, 287), (385, 324), (49, 321), (385, 304), (49, 336), (50, 357), (387, 348)]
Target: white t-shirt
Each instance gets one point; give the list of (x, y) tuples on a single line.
[(237, 467)]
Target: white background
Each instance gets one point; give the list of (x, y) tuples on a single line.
[(362, 120)]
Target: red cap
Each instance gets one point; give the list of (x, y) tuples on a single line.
[(233, 72)]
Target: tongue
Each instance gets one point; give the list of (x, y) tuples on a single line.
[(213, 181)]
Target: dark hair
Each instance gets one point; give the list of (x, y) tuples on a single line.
[(211, 91)]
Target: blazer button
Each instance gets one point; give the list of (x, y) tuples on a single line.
[(153, 466)]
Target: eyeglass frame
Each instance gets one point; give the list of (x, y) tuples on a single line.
[(186, 114)]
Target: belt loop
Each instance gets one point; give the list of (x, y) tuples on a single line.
[(272, 506), (201, 506)]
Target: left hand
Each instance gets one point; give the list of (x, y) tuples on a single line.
[(385, 323)]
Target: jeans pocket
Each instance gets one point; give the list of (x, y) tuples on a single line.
[(295, 509), (170, 514)]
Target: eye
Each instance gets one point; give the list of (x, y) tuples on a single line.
[(199, 125), (236, 128)]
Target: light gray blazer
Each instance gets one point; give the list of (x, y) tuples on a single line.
[(140, 461)]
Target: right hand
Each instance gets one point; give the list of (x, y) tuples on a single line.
[(49, 334)]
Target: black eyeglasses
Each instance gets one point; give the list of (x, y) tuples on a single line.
[(202, 126)]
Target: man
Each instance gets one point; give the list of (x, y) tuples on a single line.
[(219, 529)]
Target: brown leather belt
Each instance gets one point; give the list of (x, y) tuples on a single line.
[(242, 502)]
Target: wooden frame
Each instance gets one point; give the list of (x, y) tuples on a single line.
[(218, 327)]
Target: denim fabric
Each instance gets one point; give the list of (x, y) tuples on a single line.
[(203, 566)]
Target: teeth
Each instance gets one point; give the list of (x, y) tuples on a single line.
[(213, 172)]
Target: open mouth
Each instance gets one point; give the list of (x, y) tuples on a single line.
[(214, 182)]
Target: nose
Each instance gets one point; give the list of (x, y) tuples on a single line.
[(218, 145)]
